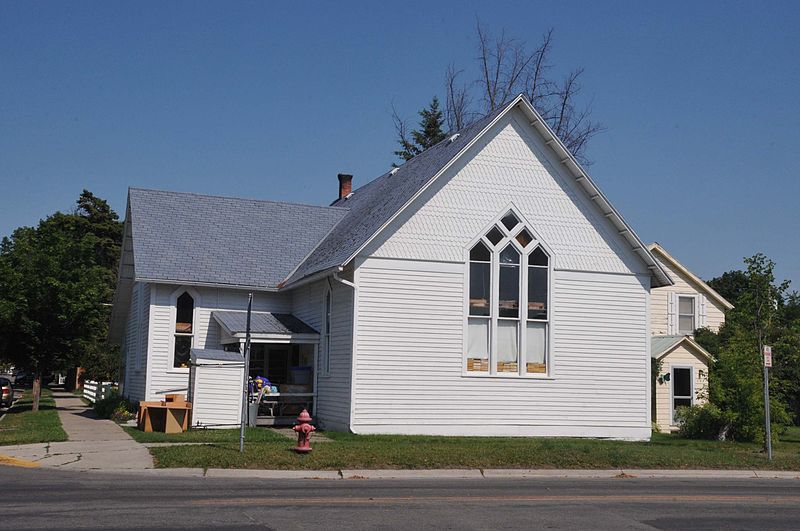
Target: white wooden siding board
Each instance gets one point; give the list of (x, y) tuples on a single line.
[(509, 163), (423, 379), (333, 391)]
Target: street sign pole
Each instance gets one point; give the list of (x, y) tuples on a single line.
[(767, 353), (246, 388)]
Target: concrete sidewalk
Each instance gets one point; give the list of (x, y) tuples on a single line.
[(94, 444)]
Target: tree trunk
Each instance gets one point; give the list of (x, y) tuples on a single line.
[(37, 391)]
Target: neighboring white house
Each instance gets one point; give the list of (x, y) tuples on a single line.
[(676, 311), (485, 287)]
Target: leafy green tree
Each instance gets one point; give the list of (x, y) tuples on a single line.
[(56, 285), (735, 379), (430, 132)]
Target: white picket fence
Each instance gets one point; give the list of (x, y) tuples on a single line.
[(94, 391)]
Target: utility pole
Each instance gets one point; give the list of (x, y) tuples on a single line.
[(246, 385)]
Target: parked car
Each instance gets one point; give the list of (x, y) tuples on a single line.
[(6, 392)]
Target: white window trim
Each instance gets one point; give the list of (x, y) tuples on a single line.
[(672, 389), (695, 308), (325, 339), (173, 317), (523, 295)]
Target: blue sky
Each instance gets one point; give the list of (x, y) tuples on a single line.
[(272, 100)]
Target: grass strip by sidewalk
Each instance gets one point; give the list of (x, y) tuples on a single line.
[(22, 426), (348, 451), (205, 436)]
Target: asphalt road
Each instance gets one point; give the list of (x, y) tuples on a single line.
[(37, 498)]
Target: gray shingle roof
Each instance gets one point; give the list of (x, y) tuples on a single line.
[(375, 203), (186, 237), (262, 323)]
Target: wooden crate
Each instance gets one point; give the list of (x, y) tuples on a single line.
[(536, 367), (507, 366), (478, 364)]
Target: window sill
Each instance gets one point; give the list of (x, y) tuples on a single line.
[(178, 370), (507, 376)]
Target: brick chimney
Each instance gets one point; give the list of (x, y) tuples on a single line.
[(345, 184)]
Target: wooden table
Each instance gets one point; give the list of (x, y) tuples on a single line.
[(167, 417)]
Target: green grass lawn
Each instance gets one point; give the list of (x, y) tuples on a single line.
[(416, 452), (255, 435), (22, 426)]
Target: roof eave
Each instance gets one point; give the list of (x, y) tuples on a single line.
[(655, 246), (204, 284)]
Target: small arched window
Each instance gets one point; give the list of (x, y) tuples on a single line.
[(184, 330), (507, 322)]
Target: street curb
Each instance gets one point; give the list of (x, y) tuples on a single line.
[(272, 474), (470, 473)]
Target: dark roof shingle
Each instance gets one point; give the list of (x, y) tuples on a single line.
[(375, 203), (262, 323), (185, 237)]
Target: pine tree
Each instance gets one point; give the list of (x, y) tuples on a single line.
[(430, 132)]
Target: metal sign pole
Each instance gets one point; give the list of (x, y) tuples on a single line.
[(767, 353), (246, 388)]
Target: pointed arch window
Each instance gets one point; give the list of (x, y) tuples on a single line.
[(184, 330), (508, 307)]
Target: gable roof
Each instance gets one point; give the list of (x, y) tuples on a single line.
[(662, 254), (222, 241), (373, 206), (660, 346)]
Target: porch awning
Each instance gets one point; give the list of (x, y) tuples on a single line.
[(265, 325)]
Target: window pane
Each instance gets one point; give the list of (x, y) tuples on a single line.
[(494, 235), (509, 291), (507, 346), (183, 346), (682, 382), (480, 253), (535, 347), (686, 324), (184, 314), (478, 345), (679, 402), (479, 282), (524, 237), (537, 257), (537, 293), (510, 221), (509, 255), (686, 305)]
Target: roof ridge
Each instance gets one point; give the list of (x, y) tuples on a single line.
[(217, 196)]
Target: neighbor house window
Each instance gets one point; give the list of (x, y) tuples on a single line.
[(326, 334), (681, 389), (184, 330), (686, 316), (507, 321)]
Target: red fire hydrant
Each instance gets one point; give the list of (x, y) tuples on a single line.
[(303, 429)]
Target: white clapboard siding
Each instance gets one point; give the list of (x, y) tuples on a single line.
[(409, 361), (162, 377), (664, 305), (333, 389), (511, 165), (217, 396), (135, 346)]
